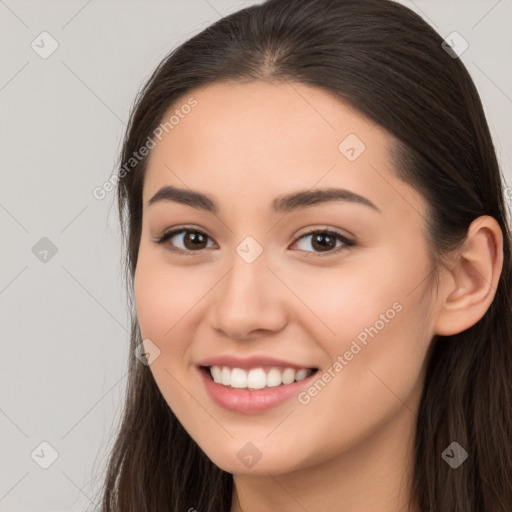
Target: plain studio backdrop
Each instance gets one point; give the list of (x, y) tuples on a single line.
[(70, 71)]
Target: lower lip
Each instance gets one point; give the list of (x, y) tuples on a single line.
[(246, 401)]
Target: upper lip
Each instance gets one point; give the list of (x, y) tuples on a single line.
[(250, 362)]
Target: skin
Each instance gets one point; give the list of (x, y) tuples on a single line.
[(244, 145)]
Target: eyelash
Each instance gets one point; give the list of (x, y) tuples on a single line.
[(338, 236)]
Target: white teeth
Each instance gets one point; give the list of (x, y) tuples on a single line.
[(273, 378), (226, 376), (238, 378), (216, 373), (301, 374), (256, 378), (288, 376)]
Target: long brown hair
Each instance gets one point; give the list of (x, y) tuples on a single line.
[(388, 63)]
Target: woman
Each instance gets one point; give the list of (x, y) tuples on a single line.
[(319, 257)]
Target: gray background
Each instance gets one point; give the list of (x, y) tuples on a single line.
[(64, 321)]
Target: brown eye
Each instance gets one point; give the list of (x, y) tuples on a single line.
[(188, 241), (194, 240), (324, 241), (185, 240)]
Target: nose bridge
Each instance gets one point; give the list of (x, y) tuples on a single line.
[(248, 270), (248, 263), (248, 297)]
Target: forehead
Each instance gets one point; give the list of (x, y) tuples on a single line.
[(267, 138), (250, 120)]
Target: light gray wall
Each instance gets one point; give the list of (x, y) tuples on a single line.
[(64, 320)]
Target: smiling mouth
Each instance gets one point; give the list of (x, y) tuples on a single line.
[(256, 378)]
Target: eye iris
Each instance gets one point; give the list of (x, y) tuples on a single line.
[(194, 237), (323, 241)]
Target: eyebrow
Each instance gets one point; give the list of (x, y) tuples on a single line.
[(284, 204)]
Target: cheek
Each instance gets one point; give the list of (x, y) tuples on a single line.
[(162, 298), (163, 302), (373, 320), (151, 302), (342, 302), (376, 374)]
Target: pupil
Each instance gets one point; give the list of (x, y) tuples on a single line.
[(195, 237), (322, 240)]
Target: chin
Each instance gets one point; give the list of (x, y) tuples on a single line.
[(247, 459)]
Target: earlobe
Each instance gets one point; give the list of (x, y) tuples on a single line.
[(474, 278)]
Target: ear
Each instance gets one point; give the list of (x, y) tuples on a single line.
[(470, 287)]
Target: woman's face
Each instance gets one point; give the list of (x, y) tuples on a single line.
[(269, 276)]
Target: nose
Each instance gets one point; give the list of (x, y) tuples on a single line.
[(249, 301)]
